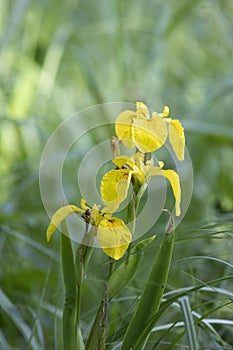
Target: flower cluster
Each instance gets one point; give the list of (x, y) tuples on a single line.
[(146, 133)]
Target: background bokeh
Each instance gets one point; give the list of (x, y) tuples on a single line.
[(58, 57)]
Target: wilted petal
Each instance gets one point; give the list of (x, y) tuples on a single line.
[(176, 138), (123, 127), (149, 134), (59, 216), (114, 237), (114, 187)]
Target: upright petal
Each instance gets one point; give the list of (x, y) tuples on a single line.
[(59, 216), (139, 159), (176, 138), (142, 110), (114, 237), (123, 160), (123, 127), (149, 134), (114, 187), (165, 112), (83, 204)]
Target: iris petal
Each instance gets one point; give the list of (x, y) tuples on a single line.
[(114, 237), (149, 134), (176, 138), (114, 187), (174, 180), (123, 127), (59, 216)]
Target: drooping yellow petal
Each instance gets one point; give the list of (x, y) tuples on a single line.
[(174, 180), (114, 237), (176, 138), (123, 127), (149, 134), (59, 216), (114, 187)]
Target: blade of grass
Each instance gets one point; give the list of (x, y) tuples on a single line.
[(148, 327), (15, 316), (202, 320), (188, 322), (30, 241), (3, 342)]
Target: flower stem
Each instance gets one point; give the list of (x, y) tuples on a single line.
[(69, 311), (82, 259)]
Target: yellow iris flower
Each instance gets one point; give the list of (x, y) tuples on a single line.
[(113, 235), (148, 134), (115, 184)]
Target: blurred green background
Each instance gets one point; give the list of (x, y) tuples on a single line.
[(58, 57)]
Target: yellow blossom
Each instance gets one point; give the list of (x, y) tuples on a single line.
[(113, 235), (148, 134), (115, 184)]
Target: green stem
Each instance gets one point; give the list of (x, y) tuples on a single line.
[(69, 311), (78, 306), (72, 337), (82, 259), (131, 217), (112, 265)]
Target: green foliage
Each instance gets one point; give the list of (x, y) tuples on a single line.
[(57, 59)]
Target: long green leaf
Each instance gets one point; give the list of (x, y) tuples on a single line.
[(123, 274), (152, 294)]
